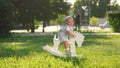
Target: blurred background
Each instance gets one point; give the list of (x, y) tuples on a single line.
[(48, 15)]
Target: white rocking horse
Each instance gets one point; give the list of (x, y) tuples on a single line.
[(54, 50)]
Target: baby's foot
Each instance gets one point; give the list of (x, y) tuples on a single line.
[(68, 53)]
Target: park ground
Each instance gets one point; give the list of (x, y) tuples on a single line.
[(57, 27), (25, 51)]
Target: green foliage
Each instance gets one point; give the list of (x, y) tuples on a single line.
[(43, 10), (114, 21), (100, 9), (60, 19), (6, 17), (95, 8), (94, 21), (52, 22), (37, 23), (114, 6), (27, 52), (26, 11)]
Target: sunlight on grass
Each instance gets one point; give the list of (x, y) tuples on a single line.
[(26, 52)]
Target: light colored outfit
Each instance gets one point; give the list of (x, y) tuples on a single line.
[(62, 34)]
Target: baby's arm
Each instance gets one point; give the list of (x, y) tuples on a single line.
[(70, 33)]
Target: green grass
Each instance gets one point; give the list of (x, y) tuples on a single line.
[(27, 52)]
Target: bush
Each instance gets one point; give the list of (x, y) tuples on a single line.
[(114, 21), (52, 22), (37, 23), (93, 21)]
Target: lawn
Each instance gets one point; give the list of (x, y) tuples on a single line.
[(26, 52)]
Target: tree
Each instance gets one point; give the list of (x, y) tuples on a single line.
[(95, 8), (26, 12), (101, 8), (44, 10), (114, 6), (6, 16)]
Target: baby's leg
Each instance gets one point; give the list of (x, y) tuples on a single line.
[(67, 46)]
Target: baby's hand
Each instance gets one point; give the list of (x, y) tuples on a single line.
[(74, 35)]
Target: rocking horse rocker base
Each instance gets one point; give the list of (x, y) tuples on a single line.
[(54, 50)]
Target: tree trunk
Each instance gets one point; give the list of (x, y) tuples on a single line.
[(32, 26), (44, 25)]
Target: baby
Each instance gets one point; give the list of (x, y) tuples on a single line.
[(68, 37), (65, 33)]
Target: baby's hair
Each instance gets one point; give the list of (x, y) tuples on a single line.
[(67, 18)]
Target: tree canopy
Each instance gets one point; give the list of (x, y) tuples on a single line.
[(95, 8), (26, 11), (6, 16)]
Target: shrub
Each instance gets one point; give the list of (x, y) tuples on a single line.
[(93, 21), (60, 19), (114, 21), (37, 23)]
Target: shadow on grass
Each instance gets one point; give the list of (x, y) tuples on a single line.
[(32, 45), (76, 61), (8, 52), (97, 40), (35, 44)]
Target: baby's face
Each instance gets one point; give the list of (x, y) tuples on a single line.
[(70, 22)]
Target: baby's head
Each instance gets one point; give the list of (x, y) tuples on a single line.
[(69, 21)]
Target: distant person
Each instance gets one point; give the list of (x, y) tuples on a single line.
[(77, 21)]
